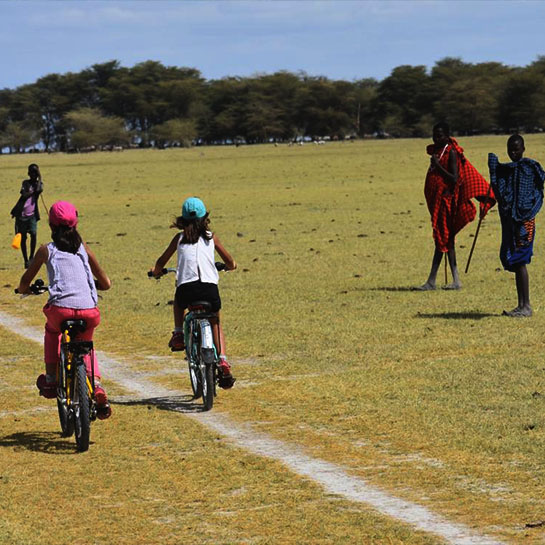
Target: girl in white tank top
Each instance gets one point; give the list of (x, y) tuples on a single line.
[(196, 274)]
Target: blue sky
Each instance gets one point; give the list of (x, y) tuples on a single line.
[(340, 39)]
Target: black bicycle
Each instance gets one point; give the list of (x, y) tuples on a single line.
[(75, 390), (202, 357)]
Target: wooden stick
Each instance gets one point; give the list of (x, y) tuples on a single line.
[(446, 272), (477, 231), (43, 202)]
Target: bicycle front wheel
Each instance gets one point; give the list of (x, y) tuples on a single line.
[(65, 418), (65, 415), (82, 409)]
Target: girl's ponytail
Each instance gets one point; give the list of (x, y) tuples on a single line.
[(193, 229), (66, 239)]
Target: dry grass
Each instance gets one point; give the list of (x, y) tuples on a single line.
[(434, 396), (154, 476)]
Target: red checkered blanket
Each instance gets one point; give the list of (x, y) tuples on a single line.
[(451, 208)]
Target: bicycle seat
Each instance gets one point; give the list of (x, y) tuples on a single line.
[(74, 326), (200, 305)]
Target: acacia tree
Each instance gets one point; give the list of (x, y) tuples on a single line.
[(17, 136), (321, 107), (173, 132), (522, 104), (404, 98), (467, 94), (88, 127), (163, 104), (363, 105), (149, 94), (224, 117)]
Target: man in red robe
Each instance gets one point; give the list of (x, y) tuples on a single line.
[(451, 182)]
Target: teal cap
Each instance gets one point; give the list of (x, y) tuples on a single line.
[(193, 208)]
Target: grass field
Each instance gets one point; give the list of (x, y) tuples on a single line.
[(434, 397)]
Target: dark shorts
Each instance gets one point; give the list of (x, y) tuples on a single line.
[(26, 225), (198, 291)]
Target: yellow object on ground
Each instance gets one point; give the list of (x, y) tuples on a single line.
[(16, 242)]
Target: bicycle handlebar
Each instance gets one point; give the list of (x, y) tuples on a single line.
[(220, 266), (36, 288)]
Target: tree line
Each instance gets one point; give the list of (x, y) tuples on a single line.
[(150, 104)]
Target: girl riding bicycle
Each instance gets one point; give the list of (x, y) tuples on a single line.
[(196, 275), (72, 269)]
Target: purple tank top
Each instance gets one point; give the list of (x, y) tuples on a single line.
[(71, 283), (30, 206)]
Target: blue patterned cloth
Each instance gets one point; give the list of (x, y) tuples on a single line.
[(517, 243), (518, 187)]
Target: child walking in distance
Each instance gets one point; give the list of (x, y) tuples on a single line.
[(519, 189), (196, 275), (72, 269), (451, 182), (26, 211)]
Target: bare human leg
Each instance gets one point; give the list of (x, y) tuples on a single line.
[(432, 278), (522, 281), (456, 282), (23, 249)]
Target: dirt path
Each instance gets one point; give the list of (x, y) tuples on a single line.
[(333, 478)]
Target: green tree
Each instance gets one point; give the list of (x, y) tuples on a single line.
[(522, 104), (180, 132), (467, 94), (363, 105), (224, 117), (88, 127), (404, 98), (322, 108), (149, 94), (17, 136)]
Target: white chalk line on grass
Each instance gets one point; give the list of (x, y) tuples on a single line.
[(333, 478), (22, 412)]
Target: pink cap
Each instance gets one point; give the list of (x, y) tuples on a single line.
[(63, 213)]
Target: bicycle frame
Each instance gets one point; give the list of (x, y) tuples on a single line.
[(201, 353), (200, 319), (74, 414), (76, 402), (73, 352)]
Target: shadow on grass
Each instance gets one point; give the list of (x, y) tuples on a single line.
[(179, 404), (456, 315), (395, 288), (41, 441)]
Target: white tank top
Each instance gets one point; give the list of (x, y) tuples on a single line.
[(196, 262)]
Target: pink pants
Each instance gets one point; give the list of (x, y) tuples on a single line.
[(52, 338)]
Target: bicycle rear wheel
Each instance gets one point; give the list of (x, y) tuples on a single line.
[(65, 415), (207, 373), (82, 408), (195, 378)]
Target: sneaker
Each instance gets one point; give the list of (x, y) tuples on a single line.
[(103, 407), (226, 380), (47, 388), (176, 342)]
